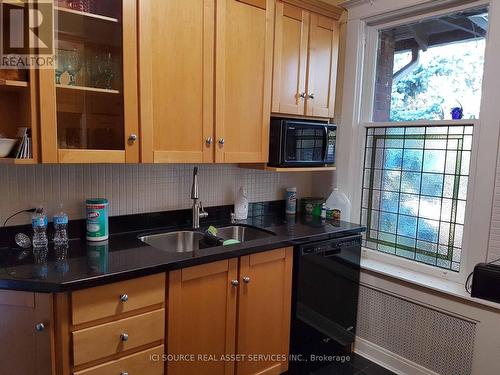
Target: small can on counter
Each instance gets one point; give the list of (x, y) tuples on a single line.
[(311, 206), (291, 200), (97, 219)]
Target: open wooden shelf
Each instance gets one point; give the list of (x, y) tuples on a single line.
[(264, 167), (85, 88), (13, 83), (85, 14), (14, 161)]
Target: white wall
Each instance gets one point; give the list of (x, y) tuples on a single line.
[(135, 188)]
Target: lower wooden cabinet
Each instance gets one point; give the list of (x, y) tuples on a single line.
[(202, 318), (117, 328), (264, 312), (231, 309), (146, 362), (117, 298), (116, 337), (26, 326), (230, 317)]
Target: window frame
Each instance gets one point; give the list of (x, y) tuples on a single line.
[(412, 264), (366, 58)]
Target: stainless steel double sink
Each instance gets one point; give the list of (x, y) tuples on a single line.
[(188, 241)]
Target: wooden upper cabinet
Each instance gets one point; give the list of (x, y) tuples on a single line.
[(305, 62), (323, 60), (176, 80), (27, 346), (88, 101), (264, 310), (291, 42), (202, 318), (243, 79)]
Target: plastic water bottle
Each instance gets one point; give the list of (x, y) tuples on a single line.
[(60, 221), (39, 224)]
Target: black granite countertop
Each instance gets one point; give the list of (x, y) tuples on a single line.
[(124, 256)]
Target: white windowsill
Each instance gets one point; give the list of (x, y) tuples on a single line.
[(424, 280)]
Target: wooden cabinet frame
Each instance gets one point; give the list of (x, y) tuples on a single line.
[(228, 304), (268, 272), (222, 78), (50, 152), (330, 26), (223, 52), (316, 71), (26, 348), (299, 15), (185, 285), (201, 151)]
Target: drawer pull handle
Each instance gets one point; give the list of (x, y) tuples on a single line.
[(124, 373), (124, 336), (124, 297)]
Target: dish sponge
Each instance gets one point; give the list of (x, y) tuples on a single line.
[(230, 242), (212, 230)]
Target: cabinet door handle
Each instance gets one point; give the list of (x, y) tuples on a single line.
[(124, 297), (311, 96), (302, 95), (235, 283), (39, 327), (124, 336), (246, 279), (209, 141), (222, 141), (132, 138)]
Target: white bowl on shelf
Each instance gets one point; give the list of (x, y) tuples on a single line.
[(6, 146)]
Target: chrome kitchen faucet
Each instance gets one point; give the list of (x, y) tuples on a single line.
[(198, 211)]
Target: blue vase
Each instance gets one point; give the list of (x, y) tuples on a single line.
[(457, 113)]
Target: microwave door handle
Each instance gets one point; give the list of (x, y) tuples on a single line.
[(325, 147)]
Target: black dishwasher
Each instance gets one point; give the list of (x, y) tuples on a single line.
[(324, 301)]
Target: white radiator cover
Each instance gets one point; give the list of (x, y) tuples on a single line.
[(437, 341)]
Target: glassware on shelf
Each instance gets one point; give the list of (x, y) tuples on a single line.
[(93, 69), (73, 64), (100, 69), (60, 65), (108, 70), (88, 6)]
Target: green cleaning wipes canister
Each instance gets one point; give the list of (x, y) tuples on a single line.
[(97, 219)]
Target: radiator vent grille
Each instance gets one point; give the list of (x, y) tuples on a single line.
[(438, 341)]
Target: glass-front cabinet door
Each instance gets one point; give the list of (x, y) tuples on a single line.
[(89, 104)]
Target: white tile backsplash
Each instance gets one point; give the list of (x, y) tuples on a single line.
[(135, 188)]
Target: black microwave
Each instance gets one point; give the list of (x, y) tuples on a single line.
[(301, 143)]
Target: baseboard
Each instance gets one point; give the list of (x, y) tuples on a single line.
[(389, 360)]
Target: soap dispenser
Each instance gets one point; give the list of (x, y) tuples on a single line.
[(241, 205)]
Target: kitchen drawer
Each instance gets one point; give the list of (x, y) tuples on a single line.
[(136, 364), (107, 339), (117, 298)]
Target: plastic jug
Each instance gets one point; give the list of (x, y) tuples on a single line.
[(338, 206)]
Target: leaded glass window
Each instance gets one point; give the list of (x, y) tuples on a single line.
[(414, 192)]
